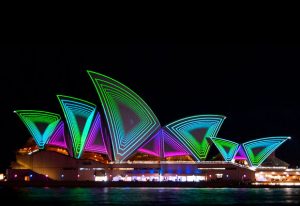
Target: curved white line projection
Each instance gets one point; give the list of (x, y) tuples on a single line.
[(130, 120), (194, 131), (41, 124), (259, 150)]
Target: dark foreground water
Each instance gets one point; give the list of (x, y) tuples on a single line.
[(149, 196)]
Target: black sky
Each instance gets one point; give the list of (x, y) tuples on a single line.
[(255, 85)]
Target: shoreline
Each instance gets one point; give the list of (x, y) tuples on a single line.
[(140, 184)]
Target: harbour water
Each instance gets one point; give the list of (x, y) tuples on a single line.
[(149, 196)]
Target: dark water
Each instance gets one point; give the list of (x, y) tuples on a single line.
[(150, 196)]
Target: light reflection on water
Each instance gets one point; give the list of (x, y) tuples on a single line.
[(151, 196)]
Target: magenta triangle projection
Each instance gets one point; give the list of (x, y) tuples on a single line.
[(153, 145), (95, 141), (58, 137), (240, 155), (172, 147)]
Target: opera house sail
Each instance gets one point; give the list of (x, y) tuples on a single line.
[(120, 138)]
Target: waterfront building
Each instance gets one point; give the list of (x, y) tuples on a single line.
[(121, 139)]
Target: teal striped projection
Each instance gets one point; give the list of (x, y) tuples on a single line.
[(130, 120), (194, 131), (227, 148), (79, 115), (41, 124), (258, 150)]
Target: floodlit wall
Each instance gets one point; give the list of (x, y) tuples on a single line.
[(61, 167)]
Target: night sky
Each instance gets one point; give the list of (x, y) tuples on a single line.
[(256, 86)]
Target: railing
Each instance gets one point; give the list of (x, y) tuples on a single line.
[(176, 162), (293, 170), (181, 162), (272, 168), (277, 183)]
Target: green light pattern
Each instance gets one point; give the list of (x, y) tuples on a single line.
[(31, 118), (182, 129), (74, 109), (129, 128), (266, 145), (227, 148)]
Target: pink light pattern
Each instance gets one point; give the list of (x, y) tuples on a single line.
[(240, 155), (95, 141), (58, 137), (172, 147), (153, 145)]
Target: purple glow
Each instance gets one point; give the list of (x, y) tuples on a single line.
[(173, 154), (96, 134), (172, 147), (153, 145), (240, 155), (148, 152), (58, 138)]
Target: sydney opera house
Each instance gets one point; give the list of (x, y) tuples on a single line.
[(119, 138)]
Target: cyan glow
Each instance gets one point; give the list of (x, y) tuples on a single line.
[(96, 131), (183, 129), (265, 146), (75, 109), (130, 120), (227, 148), (58, 137), (33, 119)]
